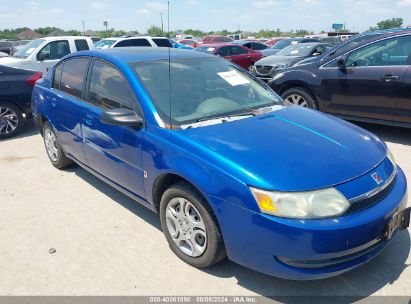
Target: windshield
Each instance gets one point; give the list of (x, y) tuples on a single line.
[(296, 50), (29, 48), (104, 44), (284, 43), (201, 89), (205, 49)]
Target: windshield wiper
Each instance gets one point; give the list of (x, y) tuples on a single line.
[(250, 113)]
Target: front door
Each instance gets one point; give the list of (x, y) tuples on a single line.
[(403, 109), (239, 56), (369, 84), (112, 151), (50, 54)]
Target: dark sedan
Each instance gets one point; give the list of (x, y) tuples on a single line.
[(367, 78), (267, 67), (252, 44), (15, 99)]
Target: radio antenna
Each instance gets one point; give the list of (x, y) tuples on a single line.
[(169, 59)]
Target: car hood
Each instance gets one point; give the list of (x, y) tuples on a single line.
[(269, 52), (275, 60), (292, 149), (15, 62)]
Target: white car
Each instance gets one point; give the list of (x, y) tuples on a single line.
[(41, 54), (146, 41)]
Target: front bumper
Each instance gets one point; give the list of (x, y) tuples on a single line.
[(308, 249)]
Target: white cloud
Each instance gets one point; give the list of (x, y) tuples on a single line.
[(404, 2), (158, 6), (142, 12), (192, 2), (100, 6), (265, 3)]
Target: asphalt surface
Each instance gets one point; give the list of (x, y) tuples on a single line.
[(67, 233)]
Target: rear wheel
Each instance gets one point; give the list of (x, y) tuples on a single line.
[(11, 120), (300, 97), (189, 226), (53, 148)]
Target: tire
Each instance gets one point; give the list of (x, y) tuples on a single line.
[(11, 120), (300, 97), (53, 148), (208, 244)]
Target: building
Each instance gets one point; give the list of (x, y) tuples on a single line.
[(28, 34)]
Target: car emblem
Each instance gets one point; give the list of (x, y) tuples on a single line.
[(377, 178)]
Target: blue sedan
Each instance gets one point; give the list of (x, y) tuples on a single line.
[(230, 170)]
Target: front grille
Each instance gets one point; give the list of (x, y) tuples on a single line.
[(263, 69), (372, 200)]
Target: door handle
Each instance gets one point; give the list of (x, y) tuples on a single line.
[(390, 77), (53, 101)]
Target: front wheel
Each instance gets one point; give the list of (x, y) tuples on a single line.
[(300, 97), (11, 120), (189, 226), (53, 148)]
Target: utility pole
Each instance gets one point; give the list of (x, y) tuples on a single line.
[(105, 23), (162, 26), (84, 31)]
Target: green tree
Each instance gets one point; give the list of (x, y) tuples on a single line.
[(388, 24), (155, 31)]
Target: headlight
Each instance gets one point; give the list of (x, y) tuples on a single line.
[(391, 157), (278, 76), (281, 66), (302, 205)]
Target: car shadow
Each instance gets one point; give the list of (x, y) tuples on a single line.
[(388, 133), (29, 129), (120, 198), (384, 270)]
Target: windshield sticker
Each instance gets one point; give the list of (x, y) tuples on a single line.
[(210, 49), (294, 52), (233, 78)]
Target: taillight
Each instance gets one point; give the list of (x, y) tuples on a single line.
[(33, 78)]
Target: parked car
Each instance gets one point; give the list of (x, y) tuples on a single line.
[(253, 45), (240, 55), (284, 43), (146, 41), (273, 41), (189, 42), (16, 86), (223, 162), (267, 67), (2, 54), (215, 39), (41, 54), (6, 47), (177, 45), (366, 78)]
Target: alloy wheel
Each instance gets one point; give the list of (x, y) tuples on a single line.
[(51, 142), (9, 120), (297, 100), (186, 227)]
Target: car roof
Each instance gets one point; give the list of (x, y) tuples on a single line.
[(64, 37), (217, 45), (136, 54)]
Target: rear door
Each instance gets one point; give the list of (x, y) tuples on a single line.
[(403, 108), (67, 105), (369, 84), (112, 151)]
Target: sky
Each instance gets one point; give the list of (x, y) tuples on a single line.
[(207, 15)]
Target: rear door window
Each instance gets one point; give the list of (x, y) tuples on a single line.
[(162, 42), (133, 42), (73, 76), (81, 45), (57, 76), (109, 89)]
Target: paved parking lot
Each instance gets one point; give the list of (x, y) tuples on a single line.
[(106, 244)]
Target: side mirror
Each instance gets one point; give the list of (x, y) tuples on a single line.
[(43, 56), (341, 62), (121, 117)]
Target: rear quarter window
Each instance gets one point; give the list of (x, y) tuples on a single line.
[(162, 42), (133, 42)]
